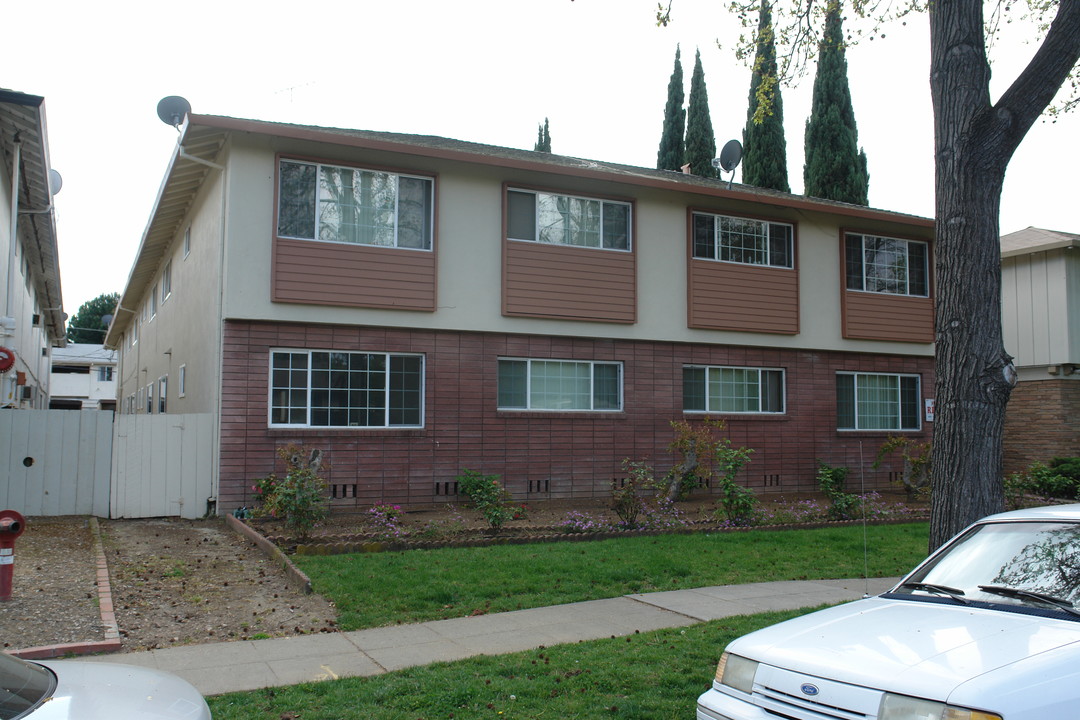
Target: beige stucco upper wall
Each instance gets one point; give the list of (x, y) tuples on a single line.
[(468, 243), (1040, 307), (186, 328)]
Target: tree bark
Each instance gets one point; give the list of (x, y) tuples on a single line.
[(974, 141)]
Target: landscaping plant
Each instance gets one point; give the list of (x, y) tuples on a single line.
[(916, 455), (299, 498), (843, 505), (487, 494)]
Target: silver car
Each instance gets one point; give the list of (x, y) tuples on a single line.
[(73, 690)]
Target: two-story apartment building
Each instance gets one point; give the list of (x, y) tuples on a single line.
[(83, 377), (415, 306), (31, 310), (1040, 316)]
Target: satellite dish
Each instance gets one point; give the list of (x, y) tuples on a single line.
[(172, 110), (55, 182), (731, 155)]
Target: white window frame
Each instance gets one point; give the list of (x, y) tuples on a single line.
[(166, 281), (530, 379), (187, 241), (603, 203), (726, 252), (308, 390), (762, 387), (429, 220), (153, 302), (181, 381), (859, 425), (864, 281), (163, 395), (149, 397)]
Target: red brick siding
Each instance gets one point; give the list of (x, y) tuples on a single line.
[(1042, 421), (564, 455)]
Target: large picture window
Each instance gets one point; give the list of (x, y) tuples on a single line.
[(567, 220), (742, 240), (886, 265), (346, 389), (351, 205), (867, 401), (559, 385), (732, 390)]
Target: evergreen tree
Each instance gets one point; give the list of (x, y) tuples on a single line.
[(764, 145), (700, 140), (835, 168), (543, 138), (86, 325), (672, 147)]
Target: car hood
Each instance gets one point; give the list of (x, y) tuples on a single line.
[(906, 646), (93, 690)]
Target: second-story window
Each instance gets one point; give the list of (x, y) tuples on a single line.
[(743, 240), (166, 281), (567, 220), (356, 206), (886, 265)]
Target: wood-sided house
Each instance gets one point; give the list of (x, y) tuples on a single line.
[(415, 306)]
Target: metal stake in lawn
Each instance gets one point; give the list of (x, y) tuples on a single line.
[(12, 525)]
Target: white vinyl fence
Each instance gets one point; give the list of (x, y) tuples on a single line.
[(55, 462), (162, 466)]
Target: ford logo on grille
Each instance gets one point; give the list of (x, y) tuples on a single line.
[(808, 689)]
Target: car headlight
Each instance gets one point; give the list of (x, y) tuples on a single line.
[(736, 672), (901, 707)]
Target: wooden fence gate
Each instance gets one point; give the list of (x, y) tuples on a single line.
[(163, 465)]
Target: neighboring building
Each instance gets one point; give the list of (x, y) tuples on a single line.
[(1040, 310), (415, 306), (31, 311), (83, 378)]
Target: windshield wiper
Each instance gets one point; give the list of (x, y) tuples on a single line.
[(1060, 603), (955, 593)]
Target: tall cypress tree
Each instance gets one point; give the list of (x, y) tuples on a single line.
[(700, 140), (835, 168), (543, 138), (764, 145), (672, 147)]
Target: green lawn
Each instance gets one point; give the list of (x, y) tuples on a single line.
[(650, 676), (377, 589)]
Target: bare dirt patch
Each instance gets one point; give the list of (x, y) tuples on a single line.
[(174, 582)]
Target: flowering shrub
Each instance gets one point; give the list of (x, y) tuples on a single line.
[(487, 495), (663, 514), (299, 498), (385, 518), (626, 497), (579, 522)]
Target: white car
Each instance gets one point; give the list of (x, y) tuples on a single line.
[(983, 629), (73, 690)]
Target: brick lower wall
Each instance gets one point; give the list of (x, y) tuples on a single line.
[(1042, 421), (539, 455)]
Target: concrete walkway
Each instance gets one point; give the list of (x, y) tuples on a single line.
[(253, 664)]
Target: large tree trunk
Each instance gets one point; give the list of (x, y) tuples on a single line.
[(974, 141)]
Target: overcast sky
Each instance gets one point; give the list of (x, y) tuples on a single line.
[(480, 70)]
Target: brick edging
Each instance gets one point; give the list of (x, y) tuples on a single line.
[(111, 643), (293, 575)]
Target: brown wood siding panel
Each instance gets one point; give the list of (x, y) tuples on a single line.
[(879, 316), (569, 283), (353, 275), (728, 296)]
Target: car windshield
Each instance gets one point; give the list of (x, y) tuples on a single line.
[(1019, 563), (23, 686)]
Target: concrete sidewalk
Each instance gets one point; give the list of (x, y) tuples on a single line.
[(253, 664)]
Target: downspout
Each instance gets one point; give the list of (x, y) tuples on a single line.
[(213, 502), (14, 237)]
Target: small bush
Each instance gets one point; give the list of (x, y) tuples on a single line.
[(843, 505), (487, 495), (299, 498), (627, 496), (1044, 481)]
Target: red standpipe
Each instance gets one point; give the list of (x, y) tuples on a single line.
[(12, 525)]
